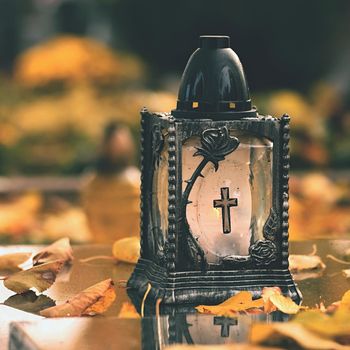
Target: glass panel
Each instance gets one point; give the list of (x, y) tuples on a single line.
[(160, 192), (229, 207)]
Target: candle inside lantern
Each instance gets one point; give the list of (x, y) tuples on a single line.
[(228, 208)]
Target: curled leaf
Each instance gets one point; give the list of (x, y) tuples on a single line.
[(128, 311), (93, 300), (266, 294), (299, 263), (59, 250), (127, 249), (11, 262), (29, 302), (39, 277), (284, 304)]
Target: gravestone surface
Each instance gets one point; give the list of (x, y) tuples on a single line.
[(109, 331)]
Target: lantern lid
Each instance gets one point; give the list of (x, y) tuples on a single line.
[(213, 84)]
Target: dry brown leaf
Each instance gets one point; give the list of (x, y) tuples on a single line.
[(59, 250), (91, 301), (11, 262), (239, 302), (128, 311), (284, 304), (299, 263), (267, 333), (39, 277), (127, 249)]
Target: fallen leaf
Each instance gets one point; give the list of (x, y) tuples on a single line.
[(271, 333), (127, 249), (239, 302), (299, 263), (346, 273), (345, 300), (284, 304), (59, 250), (11, 262), (344, 303), (128, 311), (91, 301), (29, 302), (307, 274), (266, 294), (39, 277), (328, 326)]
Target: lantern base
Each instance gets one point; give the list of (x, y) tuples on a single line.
[(209, 287)]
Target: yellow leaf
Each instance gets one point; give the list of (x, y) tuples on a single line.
[(284, 304), (260, 332), (39, 277), (292, 330), (59, 250), (10, 262), (127, 249), (325, 325), (239, 302), (345, 300), (93, 300), (266, 294), (128, 311)]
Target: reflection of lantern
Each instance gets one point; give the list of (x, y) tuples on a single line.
[(214, 189), (199, 329)]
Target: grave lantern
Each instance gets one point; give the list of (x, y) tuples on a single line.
[(214, 192)]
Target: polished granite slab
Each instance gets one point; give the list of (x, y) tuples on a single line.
[(110, 332)]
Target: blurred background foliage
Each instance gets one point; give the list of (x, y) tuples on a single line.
[(70, 67)]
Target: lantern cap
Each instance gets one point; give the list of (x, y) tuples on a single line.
[(213, 84)]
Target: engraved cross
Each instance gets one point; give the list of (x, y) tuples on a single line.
[(225, 203), (225, 323)]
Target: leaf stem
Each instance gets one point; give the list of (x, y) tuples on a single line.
[(149, 286), (314, 250), (332, 257), (97, 257)]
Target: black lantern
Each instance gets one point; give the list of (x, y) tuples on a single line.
[(214, 194)]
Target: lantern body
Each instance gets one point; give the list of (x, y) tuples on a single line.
[(214, 192), (180, 183)]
